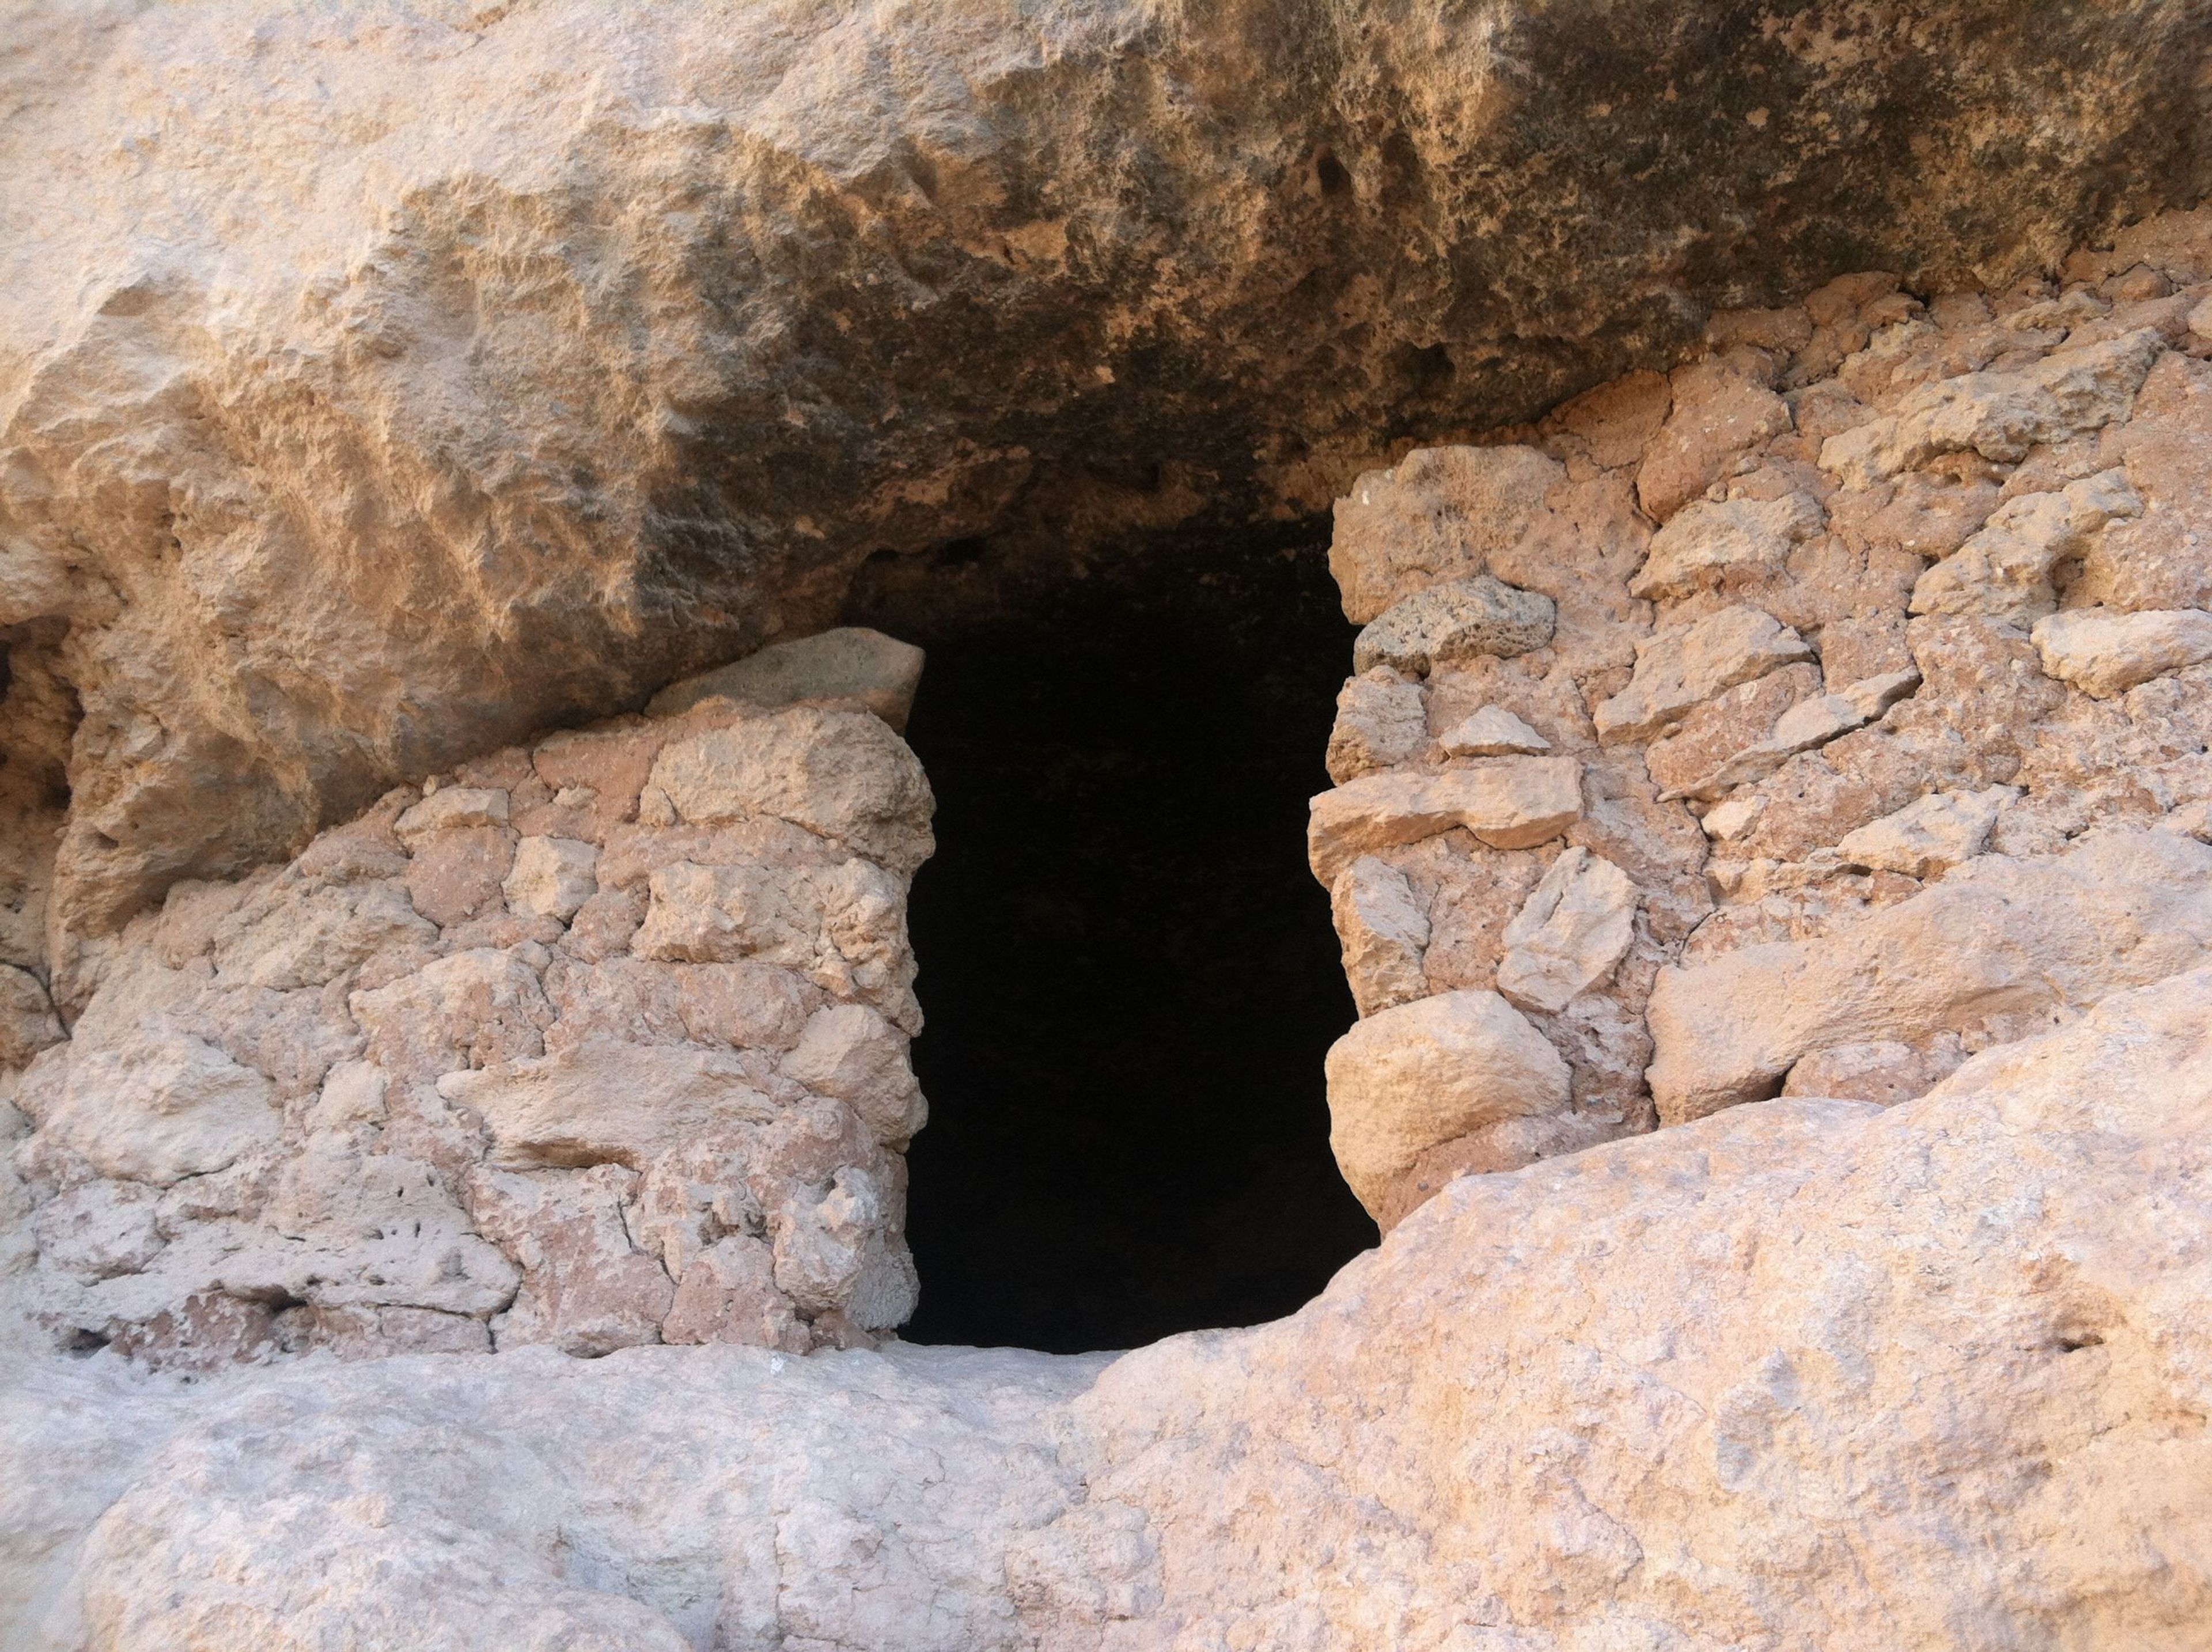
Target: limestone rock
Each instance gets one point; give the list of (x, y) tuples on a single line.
[(1681, 668), (1509, 803), (1927, 837), (2104, 653), (552, 876), (1575, 926), (850, 1052), (603, 1105), (1410, 1078), (2000, 416), (1381, 721), (1458, 620), (1717, 414), (1800, 725), (849, 663), (158, 1107), (843, 774), (1714, 546), (1384, 933), (1997, 938), (1436, 517), (1493, 731), (27, 1021), (2004, 571), (1884, 1072)]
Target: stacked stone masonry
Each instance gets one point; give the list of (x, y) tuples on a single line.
[(594, 1043), (1870, 662)]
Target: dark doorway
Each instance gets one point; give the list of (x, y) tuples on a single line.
[(1129, 975)]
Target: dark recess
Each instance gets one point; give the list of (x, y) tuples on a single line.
[(1130, 976)]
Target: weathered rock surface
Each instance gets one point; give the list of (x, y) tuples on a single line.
[(377, 392), (599, 1043), (1589, 1404), (1459, 619)]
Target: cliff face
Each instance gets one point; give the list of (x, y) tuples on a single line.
[(456, 1095), (379, 388)]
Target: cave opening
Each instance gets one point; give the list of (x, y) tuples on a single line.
[(1130, 976)]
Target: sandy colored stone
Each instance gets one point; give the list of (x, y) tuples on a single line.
[(850, 662), (843, 774), (1568, 936), (2104, 653), (1884, 1072), (158, 1106), (1713, 546), (1509, 803), (2004, 571), (850, 1052), (2000, 415), (1435, 517), (1384, 931), (1409, 1078), (1493, 731), (1928, 836), (1718, 413), (1681, 668), (27, 1021), (1998, 936), (1381, 721), (552, 876), (1458, 620), (603, 1105), (1803, 725)]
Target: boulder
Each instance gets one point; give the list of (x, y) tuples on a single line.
[(1683, 667), (1493, 731), (1384, 931), (1410, 1079), (1437, 517), (1575, 926), (1712, 546)]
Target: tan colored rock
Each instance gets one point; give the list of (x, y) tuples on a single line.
[(1711, 547), (1884, 1072), (843, 774), (1927, 838), (157, 1106), (1437, 517), (1802, 726), (1997, 936), (1381, 721), (586, 1288), (552, 876), (1509, 803), (849, 663), (2000, 415), (1459, 620), (2105, 653), (605, 1104), (1718, 414), (1680, 669), (1413, 1077), (27, 1021), (2162, 558), (1575, 927), (850, 1052), (1384, 932), (2004, 571), (1493, 731)]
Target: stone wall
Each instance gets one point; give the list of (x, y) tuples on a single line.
[(592, 1043), (1793, 722)]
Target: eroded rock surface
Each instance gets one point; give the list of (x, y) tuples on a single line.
[(379, 389), (597, 1043)]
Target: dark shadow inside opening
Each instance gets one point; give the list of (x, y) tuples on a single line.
[(1129, 975)]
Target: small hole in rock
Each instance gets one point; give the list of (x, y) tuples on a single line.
[(1130, 976), (1330, 173)]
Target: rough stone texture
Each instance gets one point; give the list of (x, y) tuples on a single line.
[(1509, 803), (505, 363), (1458, 619), (1385, 931), (1493, 731), (849, 662), (595, 1044), (1576, 926), (1415, 1078), (2102, 653), (1588, 1405)]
